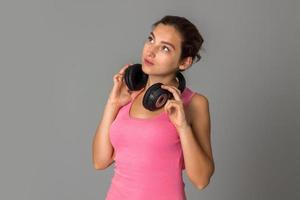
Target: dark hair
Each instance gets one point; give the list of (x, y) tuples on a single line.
[(191, 38)]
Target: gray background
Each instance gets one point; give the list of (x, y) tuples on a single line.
[(57, 63)]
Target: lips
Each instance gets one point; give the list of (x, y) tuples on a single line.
[(148, 62)]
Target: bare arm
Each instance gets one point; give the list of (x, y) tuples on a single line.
[(103, 152)]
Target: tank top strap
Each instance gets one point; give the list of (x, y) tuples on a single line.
[(187, 95)]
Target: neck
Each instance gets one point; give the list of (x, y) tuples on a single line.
[(166, 80)]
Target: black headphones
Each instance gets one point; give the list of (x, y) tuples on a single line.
[(155, 97)]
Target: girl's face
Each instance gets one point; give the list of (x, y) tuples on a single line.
[(163, 49)]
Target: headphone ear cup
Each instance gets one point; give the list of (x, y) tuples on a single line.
[(155, 97), (135, 78)]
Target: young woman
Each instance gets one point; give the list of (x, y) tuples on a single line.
[(151, 148)]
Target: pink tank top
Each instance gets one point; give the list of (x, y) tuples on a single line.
[(149, 158)]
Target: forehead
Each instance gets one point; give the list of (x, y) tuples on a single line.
[(167, 33)]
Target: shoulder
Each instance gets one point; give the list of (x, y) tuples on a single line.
[(198, 100), (197, 107)]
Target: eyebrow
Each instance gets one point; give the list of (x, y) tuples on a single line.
[(164, 42)]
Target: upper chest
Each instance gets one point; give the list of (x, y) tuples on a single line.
[(137, 110)]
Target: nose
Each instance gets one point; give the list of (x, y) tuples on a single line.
[(151, 51)]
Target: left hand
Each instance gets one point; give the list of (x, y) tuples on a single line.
[(174, 107)]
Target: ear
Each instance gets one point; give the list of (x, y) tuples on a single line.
[(186, 63)]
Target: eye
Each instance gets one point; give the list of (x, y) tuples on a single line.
[(150, 38), (165, 47)]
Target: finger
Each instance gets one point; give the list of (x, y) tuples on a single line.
[(118, 78), (166, 107), (173, 90), (171, 106), (179, 92), (124, 68)]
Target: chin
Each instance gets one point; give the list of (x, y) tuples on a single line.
[(144, 68)]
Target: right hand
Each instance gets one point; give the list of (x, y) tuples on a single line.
[(120, 94)]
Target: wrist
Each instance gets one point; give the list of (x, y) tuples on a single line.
[(184, 128), (112, 106), (112, 103)]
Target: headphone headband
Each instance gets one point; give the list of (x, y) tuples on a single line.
[(155, 96), (181, 81)]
